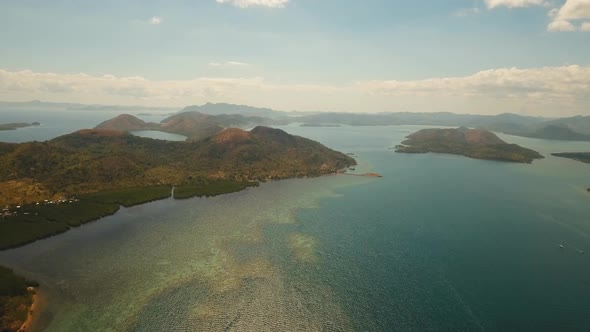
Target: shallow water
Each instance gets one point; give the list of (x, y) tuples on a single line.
[(155, 134), (439, 243)]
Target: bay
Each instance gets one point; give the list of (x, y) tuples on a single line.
[(439, 243)]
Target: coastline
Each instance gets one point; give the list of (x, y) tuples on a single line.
[(126, 197), (28, 324)]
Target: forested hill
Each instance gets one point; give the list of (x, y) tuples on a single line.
[(95, 160), (473, 143), (194, 125)]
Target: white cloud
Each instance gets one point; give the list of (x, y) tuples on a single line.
[(155, 20), (585, 26), (229, 64), (539, 91), (546, 82), (260, 3), (561, 25), (571, 11), (514, 3), (137, 87), (465, 12)]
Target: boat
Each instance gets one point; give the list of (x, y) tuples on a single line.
[(561, 246)]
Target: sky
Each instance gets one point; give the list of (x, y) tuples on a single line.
[(529, 57)]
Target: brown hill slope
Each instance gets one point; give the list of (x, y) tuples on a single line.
[(473, 143), (194, 125), (95, 160)]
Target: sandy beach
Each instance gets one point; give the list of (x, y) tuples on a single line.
[(27, 325)]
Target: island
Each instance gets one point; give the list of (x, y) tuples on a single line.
[(48, 187), (579, 156), (17, 296), (192, 124), (14, 126), (472, 143)]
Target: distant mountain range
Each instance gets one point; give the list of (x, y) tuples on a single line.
[(575, 128), (222, 108), (43, 105)]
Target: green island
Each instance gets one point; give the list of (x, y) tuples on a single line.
[(14, 126), (47, 188), (472, 143), (16, 300), (579, 156)]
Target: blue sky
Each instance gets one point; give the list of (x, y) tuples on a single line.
[(337, 55)]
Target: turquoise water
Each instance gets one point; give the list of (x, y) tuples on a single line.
[(439, 243)]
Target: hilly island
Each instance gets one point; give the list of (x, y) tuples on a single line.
[(191, 124), (472, 143), (48, 187)]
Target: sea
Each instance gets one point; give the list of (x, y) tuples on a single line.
[(439, 243)]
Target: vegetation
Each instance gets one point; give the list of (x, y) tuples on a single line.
[(14, 126), (128, 196), (192, 124), (557, 132), (36, 221), (15, 300), (213, 188), (84, 176), (473, 143), (579, 156)]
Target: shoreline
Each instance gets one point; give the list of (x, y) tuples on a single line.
[(202, 192), (369, 175), (28, 324)]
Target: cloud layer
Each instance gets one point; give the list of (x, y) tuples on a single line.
[(514, 3), (259, 3), (229, 64), (543, 91), (572, 11), (573, 15)]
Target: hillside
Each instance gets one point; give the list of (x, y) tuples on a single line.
[(94, 160), (223, 108), (558, 132), (194, 125), (126, 122), (52, 186), (579, 124), (472, 143), (579, 156)]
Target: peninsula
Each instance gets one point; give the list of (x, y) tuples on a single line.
[(579, 156), (472, 143), (48, 187), (16, 300), (14, 126)]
